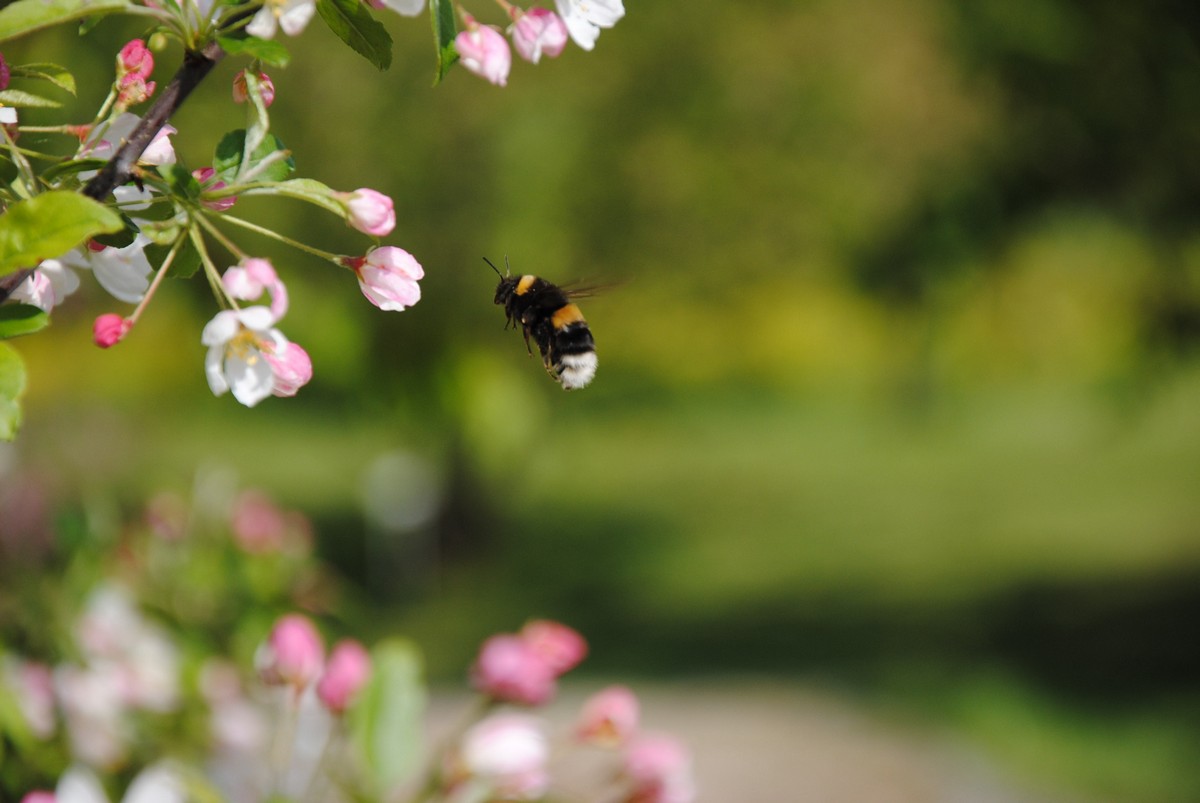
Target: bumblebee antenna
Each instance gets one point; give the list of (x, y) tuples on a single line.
[(493, 267)]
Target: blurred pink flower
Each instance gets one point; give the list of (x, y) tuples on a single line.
[(32, 685), (509, 669), (508, 752), (609, 717), (659, 768), (369, 211), (348, 670), (259, 525), (538, 32), (93, 709), (5, 74), (293, 653), (388, 277), (484, 51), (38, 796), (560, 646)]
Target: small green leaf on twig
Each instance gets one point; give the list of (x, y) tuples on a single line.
[(354, 25)]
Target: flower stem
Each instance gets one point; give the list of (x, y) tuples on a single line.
[(254, 227), (220, 237), (158, 277)]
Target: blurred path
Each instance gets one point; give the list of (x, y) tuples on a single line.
[(762, 743)]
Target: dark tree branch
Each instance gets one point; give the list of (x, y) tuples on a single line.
[(196, 65)]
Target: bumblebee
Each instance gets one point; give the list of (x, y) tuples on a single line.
[(544, 312)]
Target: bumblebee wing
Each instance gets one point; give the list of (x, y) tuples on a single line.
[(586, 288)]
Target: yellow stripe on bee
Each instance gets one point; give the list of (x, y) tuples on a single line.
[(525, 283), (566, 315)]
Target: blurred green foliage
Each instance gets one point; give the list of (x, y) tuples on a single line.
[(902, 341)]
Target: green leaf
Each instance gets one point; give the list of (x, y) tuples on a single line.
[(445, 28), (187, 260), (59, 76), (180, 181), (15, 97), (49, 225), (313, 191), (12, 385), (354, 25), (26, 16), (122, 238), (227, 161), (21, 319), (386, 719), (265, 50)]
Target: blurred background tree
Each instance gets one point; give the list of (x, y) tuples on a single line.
[(898, 384)]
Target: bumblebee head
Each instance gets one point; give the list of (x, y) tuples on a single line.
[(504, 290)]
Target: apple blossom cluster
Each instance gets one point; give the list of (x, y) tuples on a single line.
[(535, 32), (247, 353)]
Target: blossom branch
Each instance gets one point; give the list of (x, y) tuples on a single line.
[(196, 66)]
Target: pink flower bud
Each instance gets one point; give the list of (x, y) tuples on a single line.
[(538, 32), (388, 277), (559, 646), (609, 717), (348, 670), (266, 88), (369, 211), (204, 175), (660, 769), (109, 329), (485, 52), (292, 655), (509, 669), (135, 60), (292, 368), (4, 74)]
